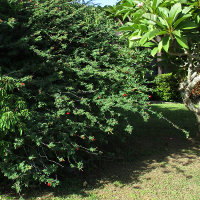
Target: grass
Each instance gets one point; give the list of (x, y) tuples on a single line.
[(156, 162)]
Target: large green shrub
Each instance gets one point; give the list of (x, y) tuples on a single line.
[(166, 87), (63, 89)]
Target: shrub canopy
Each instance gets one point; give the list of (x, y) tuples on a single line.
[(65, 81)]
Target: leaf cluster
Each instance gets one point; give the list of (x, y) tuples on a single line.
[(163, 25)]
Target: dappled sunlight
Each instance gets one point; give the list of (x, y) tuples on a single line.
[(156, 162)]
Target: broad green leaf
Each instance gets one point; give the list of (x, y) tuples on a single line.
[(175, 10), (159, 2), (131, 43), (155, 33), (21, 131), (160, 45), (128, 4), (144, 38), (164, 12), (153, 18), (165, 42), (130, 1), (178, 21), (154, 51), (186, 10), (177, 32), (143, 28), (155, 4), (150, 16), (150, 22), (137, 15), (136, 37), (119, 12), (164, 21), (187, 25), (126, 15), (183, 1), (131, 24), (149, 44), (182, 41), (136, 33), (198, 19), (126, 28)]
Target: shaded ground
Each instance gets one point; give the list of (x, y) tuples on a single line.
[(175, 177), (154, 163)]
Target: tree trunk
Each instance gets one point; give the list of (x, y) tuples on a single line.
[(160, 68), (159, 59), (192, 105), (190, 99), (198, 123)]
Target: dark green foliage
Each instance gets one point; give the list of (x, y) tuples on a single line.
[(166, 87), (64, 88)]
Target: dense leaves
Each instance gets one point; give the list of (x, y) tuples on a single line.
[(166, 87), (160, 24), (65, 83)]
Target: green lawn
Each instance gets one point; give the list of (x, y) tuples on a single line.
[(155, 162)]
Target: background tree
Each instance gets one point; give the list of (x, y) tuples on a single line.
[(176, 23)]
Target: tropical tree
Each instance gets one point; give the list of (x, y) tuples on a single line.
[(170, 26)]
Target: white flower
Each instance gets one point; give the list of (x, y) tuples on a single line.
[(140, 4)]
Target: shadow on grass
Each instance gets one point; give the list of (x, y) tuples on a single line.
[(152, 142)]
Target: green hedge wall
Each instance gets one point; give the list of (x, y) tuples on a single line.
[(166, 87)]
